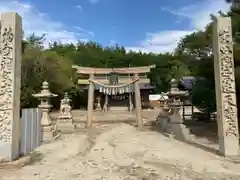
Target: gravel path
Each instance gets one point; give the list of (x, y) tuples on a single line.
[(121, 152)]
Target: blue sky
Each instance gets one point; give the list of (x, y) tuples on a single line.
[(149, 26)]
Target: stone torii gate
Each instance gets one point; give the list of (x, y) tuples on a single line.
[(135, 71)]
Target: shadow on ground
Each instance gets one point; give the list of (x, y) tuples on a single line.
[(208, 130), (35, 157), (205, 132), (206, 136)]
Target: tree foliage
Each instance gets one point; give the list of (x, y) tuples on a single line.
[(197, 50), (193, 56), (54, 65)]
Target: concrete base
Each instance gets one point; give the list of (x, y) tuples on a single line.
[(66, 125), (48, 133)]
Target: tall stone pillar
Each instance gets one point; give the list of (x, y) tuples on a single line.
[(225, 87), (138, 101), (90, 102), (10, 84)]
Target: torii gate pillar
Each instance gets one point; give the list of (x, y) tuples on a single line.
[(90, 101), (138, 101)]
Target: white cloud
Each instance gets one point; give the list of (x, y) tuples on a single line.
[(79, 7), (197, 15), (83, 31), (160, 42), (40, 23)]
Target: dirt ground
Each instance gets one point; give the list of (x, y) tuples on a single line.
[(122, 152)]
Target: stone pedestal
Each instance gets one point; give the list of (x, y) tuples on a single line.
[(179, 131), (65, 124), (49, 132), (174, 126)]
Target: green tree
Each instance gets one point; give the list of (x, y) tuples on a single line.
[(54, 64), (40, 65), (195, 50)]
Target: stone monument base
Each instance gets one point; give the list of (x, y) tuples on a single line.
[(65, 124), (98, 109), (179, 131), (48, 133)]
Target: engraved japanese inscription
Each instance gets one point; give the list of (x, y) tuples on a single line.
[(227, 81), (6, 87)]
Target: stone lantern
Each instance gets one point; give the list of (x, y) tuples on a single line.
[(175, 125), (174, 103), (44, 96)]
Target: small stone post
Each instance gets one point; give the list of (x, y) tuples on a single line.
[(10, 85), (138, 102), (130, 101), (227, 117), (105, 107), (98, 104), (47, 129), (65, 120)]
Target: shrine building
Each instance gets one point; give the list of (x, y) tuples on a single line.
[(124, 97)]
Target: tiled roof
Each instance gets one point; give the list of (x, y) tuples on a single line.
[(188, 81)]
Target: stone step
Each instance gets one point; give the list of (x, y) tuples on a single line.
[(118, 108)]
